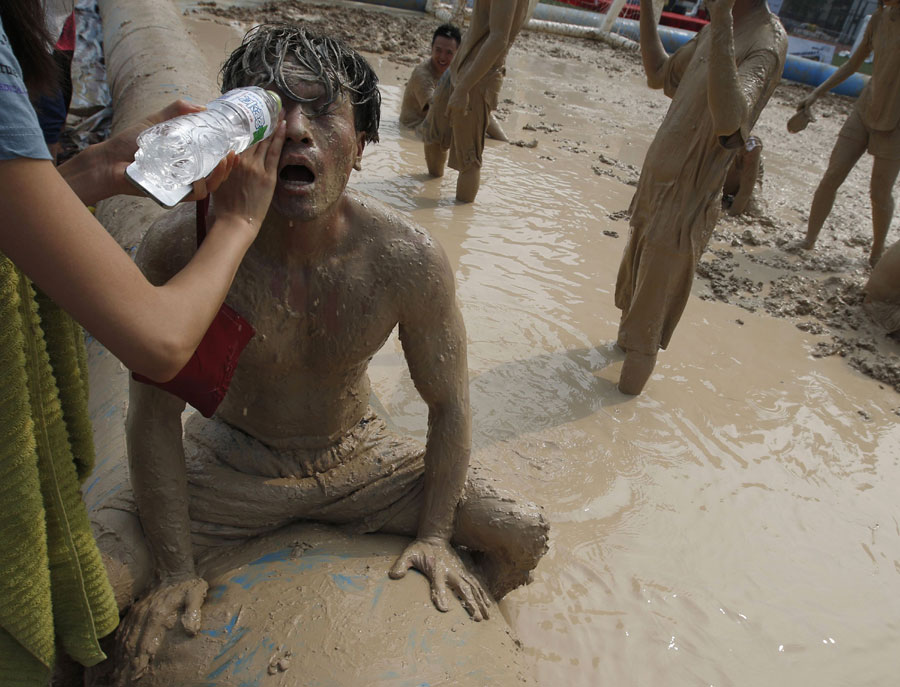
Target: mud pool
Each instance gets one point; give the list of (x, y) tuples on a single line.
[(734, 525)]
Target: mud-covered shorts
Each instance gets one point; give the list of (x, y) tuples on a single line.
[(240, 487), (464, 136), (883, 144)]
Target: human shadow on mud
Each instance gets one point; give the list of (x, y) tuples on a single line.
[(551, 389)]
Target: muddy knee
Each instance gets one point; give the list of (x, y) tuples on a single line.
[(507, 539)]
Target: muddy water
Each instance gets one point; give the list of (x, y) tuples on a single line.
[(734, 525)]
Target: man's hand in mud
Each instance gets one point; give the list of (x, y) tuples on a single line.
[(148, 621), (458, 104), (436, 559)]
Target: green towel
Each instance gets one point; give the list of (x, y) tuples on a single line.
[(53, 584)]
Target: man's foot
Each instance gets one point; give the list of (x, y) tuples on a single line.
[(874, 257), (636, 370)]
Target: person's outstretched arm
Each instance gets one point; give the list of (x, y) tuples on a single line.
[(52, 237), (846, 70)]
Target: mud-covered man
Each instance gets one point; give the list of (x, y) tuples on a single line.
[(419, 89), (331, 274), (719, 83), (468, 92)]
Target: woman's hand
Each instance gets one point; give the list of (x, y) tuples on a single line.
[(118, 152), (247, 192)]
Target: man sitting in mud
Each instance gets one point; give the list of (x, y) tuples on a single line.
[(420, 88), (327, 280)]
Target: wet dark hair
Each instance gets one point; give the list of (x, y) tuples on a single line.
[(447, 31), (261, 58), (24, 26)]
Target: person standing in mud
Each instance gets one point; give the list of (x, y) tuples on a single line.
[(329, 278), (420, 88), (468, 92), (719, 83), (873, 126)]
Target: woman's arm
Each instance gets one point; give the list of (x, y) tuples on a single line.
[(52, 237)]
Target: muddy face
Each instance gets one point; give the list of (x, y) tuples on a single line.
[(321, 150), (442, 51)]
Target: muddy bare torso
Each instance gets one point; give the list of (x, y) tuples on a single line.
[(302, 378)]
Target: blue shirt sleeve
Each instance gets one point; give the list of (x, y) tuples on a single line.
[(20, 133)]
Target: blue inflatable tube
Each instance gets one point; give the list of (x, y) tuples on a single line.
[(414, 5), (797, 69)]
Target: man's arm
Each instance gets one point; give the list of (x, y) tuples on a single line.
[(846, 70), (434, 343), (653, 54), (726, 101), (485, 56), (159, 481)]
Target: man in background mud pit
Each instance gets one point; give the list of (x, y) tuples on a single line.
[(327, 280), (719, 83), (468, 92), (420, 88)]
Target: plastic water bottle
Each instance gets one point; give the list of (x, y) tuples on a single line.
[(174, 154)]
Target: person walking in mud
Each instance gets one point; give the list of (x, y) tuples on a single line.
[(873, 126), (330, 276), (468, 92), (419, 89), (719, 83)]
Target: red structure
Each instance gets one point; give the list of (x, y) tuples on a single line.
[(633, 11)]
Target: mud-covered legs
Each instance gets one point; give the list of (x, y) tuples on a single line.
[(884, 175), (435, 159), (844, 156)]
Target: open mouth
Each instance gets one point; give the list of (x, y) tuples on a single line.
[(297, 174)]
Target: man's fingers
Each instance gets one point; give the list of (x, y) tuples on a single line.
[(481, 596), (273, 154), (193, 601), (469, 602), (400, 567), (439, 595)]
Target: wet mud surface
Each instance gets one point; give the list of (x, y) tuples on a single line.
[(752, 261)]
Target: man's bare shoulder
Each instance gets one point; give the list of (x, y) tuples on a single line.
[(421, 73), (395, 240), (168, 245)]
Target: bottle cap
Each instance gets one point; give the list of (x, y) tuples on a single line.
[(277, 100)]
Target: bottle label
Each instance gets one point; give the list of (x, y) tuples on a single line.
[(252, 103)]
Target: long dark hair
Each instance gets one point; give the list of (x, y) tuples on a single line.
[(25, 27)]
